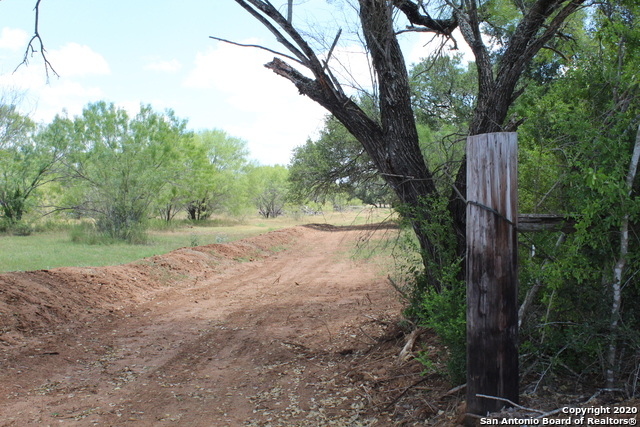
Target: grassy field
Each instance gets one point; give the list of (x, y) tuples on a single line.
[(51, 249)]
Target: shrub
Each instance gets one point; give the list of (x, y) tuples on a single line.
[(86, 234), (436, 294), (15, 228), (21, 229)]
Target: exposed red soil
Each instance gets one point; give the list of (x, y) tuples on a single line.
[(282, 329), (260, 332)]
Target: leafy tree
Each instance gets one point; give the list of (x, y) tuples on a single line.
[(443, 92), (13, 125), (335, 164), (16, 152), (391, 138), (443, 95), (267, 186), (29, 158), (121, 164), (212, 163), (578, 145)]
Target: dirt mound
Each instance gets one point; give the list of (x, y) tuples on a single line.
[(35, 302)]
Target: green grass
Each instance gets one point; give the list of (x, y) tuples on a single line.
[(49, 249), (377, 249)]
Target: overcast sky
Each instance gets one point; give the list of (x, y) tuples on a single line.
[(159, 52)]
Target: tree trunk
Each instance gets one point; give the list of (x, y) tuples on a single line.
[(616, 286), (391, 143), (497, 92), (397, 152)]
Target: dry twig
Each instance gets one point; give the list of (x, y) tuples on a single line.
[(31, 48)]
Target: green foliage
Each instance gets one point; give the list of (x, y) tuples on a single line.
[(335, 164), (120, 164), (441, 307), (28, 162), (445, 313), (15, 228), (208, 183), (86, 234), (21, 229), (575, 150), (443, 93), (268, 188)]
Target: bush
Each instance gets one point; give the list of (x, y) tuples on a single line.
[(87, 234), (21, 229), (50, 225), (445, 313), (15, 228), (436, 295)]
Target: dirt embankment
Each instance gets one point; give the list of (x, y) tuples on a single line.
[(36, 301), (278, 330)]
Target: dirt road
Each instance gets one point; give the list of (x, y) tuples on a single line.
[(255, 333)]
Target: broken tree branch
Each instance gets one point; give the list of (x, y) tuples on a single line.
[(408, 348)]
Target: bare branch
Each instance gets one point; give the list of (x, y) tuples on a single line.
[(279, 36), (333, 46), (502, 399), (310, 58), (31, 48), (257, 47)]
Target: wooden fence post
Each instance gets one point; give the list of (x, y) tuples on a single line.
[(492, 260)]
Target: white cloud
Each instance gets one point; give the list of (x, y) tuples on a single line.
[(212, 69), (164, 66), (13, 39), (76, 60), (263, 108), (65, 94), (56, 94), (24, 78)]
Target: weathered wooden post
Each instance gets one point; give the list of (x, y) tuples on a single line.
[(492, 259)]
